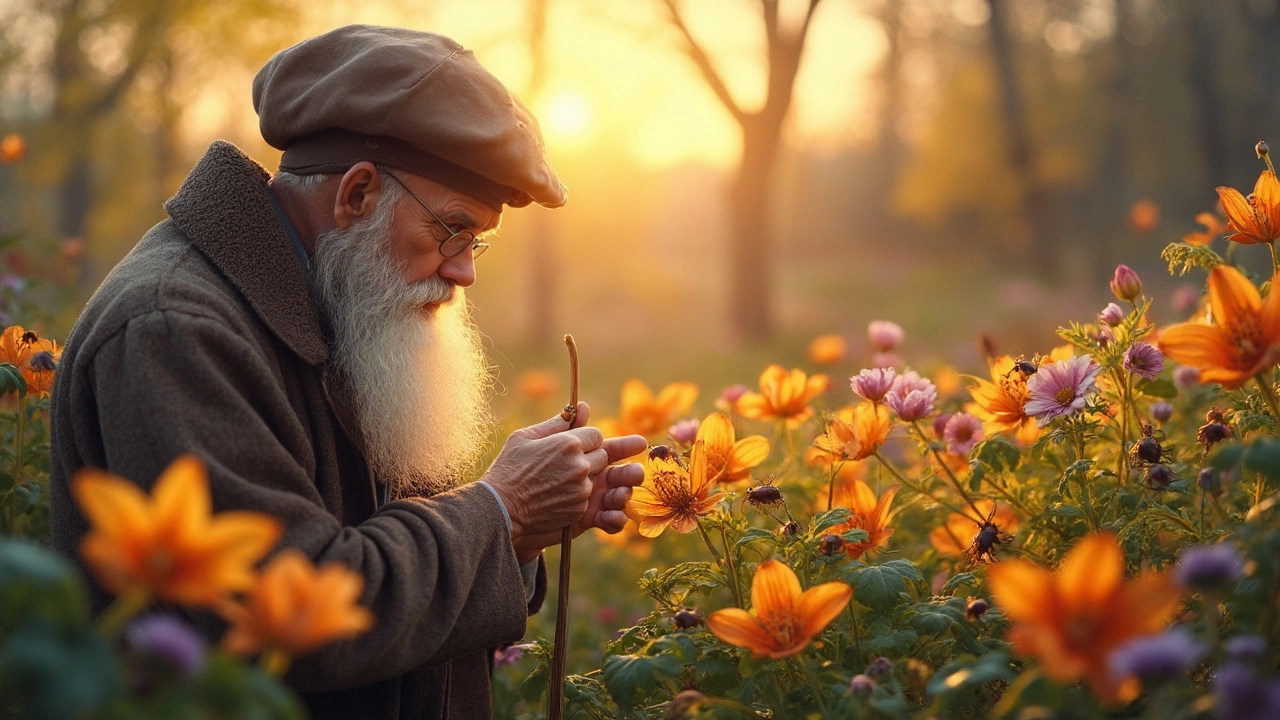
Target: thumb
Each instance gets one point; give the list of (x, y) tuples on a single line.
[(546, 428)]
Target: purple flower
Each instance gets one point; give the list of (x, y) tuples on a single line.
[(1162, 411), (731, 394), (1111, 314), (885, 336), (872, 384), (940, 423), (1186, 377), (963, 431), (1059, 389), (1246, 648), (510, 654), (861, 686), (1208, 567), (1242, 695), (1144, 359), (879, 668), (685, 431), (169, 640), (911, 396), (1157, 658)]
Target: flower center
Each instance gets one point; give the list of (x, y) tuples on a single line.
[(1065, 395), (782, 627), (673, 493)]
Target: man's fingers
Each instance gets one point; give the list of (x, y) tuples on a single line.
[(616, 499), (628, 475), (546, 428), (624, 447), (591, 438), (599, 460), (611, 521), (584, 413)]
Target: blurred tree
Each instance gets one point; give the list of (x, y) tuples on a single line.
[(751, 276), (543, 266)]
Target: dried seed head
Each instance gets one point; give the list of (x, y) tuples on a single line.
[(1148, 450), (1262, 149), (688, 618), (1159, 476), (791, 529), (1212, 433), (1210, 481), (975, 608), (684, 704), (1215, 416), (764, 495), (831, 544)]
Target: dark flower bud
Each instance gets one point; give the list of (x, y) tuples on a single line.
[(1159, 476), (974, 608), (861, 686), (1210, 481), (1262, 149), (686, 619), (660, 452), (831, 544), (1162, 411), (1212, 433), (1208, 567), (683, 704), (879, 668), (1148, 450), (791, 529), (43, 360), (764, 495)]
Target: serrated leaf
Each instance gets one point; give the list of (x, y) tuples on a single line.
[(755, 535), (977, 473), (855, 536), (879, 587), (958, 581), (1158, 388), (1263, 456), (831, 518), (999, 454), (629, 676)]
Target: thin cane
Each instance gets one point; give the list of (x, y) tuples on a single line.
[(561, 648)]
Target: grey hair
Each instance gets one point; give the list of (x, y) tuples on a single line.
[(312, 182)]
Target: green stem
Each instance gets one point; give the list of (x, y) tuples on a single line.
[(1268, 394), (1123, 461), (710, 546), (831, 490), (853, 626), (813, 683), (122, 610), (916, 488), (731, 569), (959, 488)]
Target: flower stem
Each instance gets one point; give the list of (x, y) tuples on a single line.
[(831, 490), (274, 662), (945, 468), (916, 488), (1123, 461), (731, 569), (1268, 394), (707, 539), (813, 683), (122, 609), (1274, 263)]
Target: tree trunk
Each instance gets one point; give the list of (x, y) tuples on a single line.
[(1202, 33), (544, 269), (889, 148), (1113, 190), (751, 290)]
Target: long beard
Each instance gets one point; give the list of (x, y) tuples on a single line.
[(419, 384)]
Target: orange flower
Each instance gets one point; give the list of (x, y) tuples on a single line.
[(855, 434), (13, 348), (643, 414), (786, 619), (671, 495), (783, 395), (40, 370), (999, 403), (295, 608), (954, 538), (537, 384), (1212, 228), (828, 349), (1144, 216), (12, 148), (1255, 219), (169, 544), (1073, 618), (1244, 339), (866, 513), (728, 459)]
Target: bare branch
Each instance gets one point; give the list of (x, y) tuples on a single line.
[(703, 61)]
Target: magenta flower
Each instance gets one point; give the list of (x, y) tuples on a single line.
[(1111, 314), (940, 423), (1059, 389), (872, 384), (731, 394), (963, 431), (685, 431), (1186, 377), (885, 336), (1125, 284), (1144, 359), (885, 360), (911, 396)]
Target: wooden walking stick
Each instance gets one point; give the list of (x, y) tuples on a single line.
[(561, 648)]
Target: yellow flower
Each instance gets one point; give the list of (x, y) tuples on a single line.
[(954, 538), (828, 349), (169, 544), (783, 396), (671, 495), (295, 608), (1000, 402), (729, 459), (1073, 618), (1255, 219), (855, 434), (785, 619), (1244, 339), (644, 414), (866, 513)]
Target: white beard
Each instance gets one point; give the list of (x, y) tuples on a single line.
[(418, 383)]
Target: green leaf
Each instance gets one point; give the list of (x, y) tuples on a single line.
[(879, 587), (830, 518), (1263, 456), (977, 473), (36, 584), (629, 676), (1189, 256), (46, 672), (999, 454), (1158, 388), (855, 536), (755, 535), (970, 671), (11, 380), (958, 581)]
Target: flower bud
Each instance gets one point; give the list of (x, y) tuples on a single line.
[(879, 668), (1148, 450), (1210, 481), (1111, 315), (687, 618), (1126, 284), (975, 608), (1208, 567), (731, 394), (1214, 430), (684, 704), (791, 529), (831, 544), (1185, 377), (885, 336), (166, 640), (1262, 149), (1162, 411), (861, 686), (684, 432), (1159, 476)]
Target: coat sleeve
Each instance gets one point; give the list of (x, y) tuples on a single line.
[(441, 576)]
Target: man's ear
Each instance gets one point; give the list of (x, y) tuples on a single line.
[(358, 193)]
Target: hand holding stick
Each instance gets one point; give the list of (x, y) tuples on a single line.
[(555, 690)]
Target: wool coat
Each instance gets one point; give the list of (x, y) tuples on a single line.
[(206, 339)]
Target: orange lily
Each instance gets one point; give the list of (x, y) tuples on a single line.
[(169, 544), (1243, 340), (40, 374), (1073, 618), (671, 495), (953, 538), (13, 348), (855, 434), (999, 402), (1212, 228), (866, 513), (783, 395), (295, 608), (1255, 219), (643, 414), (786, 619), (729, 459)]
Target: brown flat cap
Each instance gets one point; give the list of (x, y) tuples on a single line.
[(413, 100)]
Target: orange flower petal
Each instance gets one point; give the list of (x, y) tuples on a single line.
[(1091, 574), (1232, 296), (774, 590), (676, 398), (1195, 345), (819, 605), (113, 506), (1266, 197), (181, 497), (736, 626), (1024, 590), (747, 453), (1240, 216)]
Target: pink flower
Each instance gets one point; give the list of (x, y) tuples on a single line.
[(1059, 389), (1143, 359), (963, 431), (1126, 285), (684, 432), (1111, 314), (1185, 298), (731, 394), (885, 360), (911, 396), (1186, 377), (940, 423), (885, 336), (872, 384)]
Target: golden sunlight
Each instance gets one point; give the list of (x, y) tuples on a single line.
[(567, 116)]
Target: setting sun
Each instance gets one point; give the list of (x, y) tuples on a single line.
[(567, 115)]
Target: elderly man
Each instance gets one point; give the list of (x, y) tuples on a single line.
[(307, 336)]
